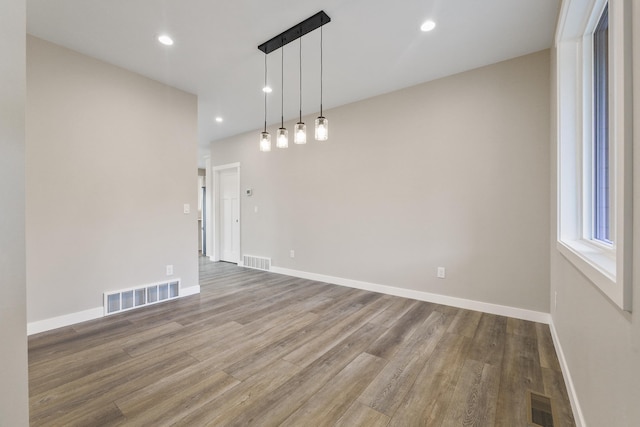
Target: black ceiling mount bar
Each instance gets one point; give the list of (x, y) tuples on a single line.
[(295, 32)]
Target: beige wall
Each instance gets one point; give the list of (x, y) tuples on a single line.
[(13, 331), (452, 173), (111, 159), (600, 342)]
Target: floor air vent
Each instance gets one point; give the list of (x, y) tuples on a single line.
[(540, 413), (257, 262), (128, 299)]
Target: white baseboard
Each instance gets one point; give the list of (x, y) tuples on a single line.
[(64, 320), (83, 316), (519, 313), (485, 307), (571, 390)]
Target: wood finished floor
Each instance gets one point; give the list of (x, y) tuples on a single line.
[(257, 348)]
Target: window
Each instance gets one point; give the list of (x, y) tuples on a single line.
[(593, 46), (600, 164)]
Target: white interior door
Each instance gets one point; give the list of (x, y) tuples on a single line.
[(229, 216)]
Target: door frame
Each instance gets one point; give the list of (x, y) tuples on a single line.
[(215, 173)]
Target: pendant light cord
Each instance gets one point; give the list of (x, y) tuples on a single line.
[(300, 79), (320, 71), (265, 92), (282, 88)]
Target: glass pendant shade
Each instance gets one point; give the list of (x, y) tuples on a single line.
[(282, 140), (300, 133), (265, 141), (322, 129), (265, 137)]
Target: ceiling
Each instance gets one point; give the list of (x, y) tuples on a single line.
[(370, 47)]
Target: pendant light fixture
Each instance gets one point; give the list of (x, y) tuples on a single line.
[(282, 140), (265, 137), (300, 131), (322, 124)]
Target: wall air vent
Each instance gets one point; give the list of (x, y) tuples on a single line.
[(259, 263), (128, 299)]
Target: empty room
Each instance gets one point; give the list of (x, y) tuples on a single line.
[(320, 213)]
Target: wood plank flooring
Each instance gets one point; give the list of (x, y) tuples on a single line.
[(261, 349)]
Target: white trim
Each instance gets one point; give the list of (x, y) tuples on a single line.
[(485, 307), (215, 214), (91, 314), (227, 166), (571, 390), (598, 266), (64, 320)]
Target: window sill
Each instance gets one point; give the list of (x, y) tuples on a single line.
[(597, 264)]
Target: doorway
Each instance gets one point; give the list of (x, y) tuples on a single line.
[(226, 234)]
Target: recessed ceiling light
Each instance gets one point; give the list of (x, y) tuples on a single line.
[(165, 40), (267, 89), (428, 25), (219, 119)]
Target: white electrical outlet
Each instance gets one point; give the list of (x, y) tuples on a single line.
[(441, 273), (187, 208), (169, 269), (292, 253)]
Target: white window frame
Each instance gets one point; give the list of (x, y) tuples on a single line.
[(607, 266)]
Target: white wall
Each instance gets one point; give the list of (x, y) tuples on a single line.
[(453, 173), (14, 409), (600, 342), (111, 159)]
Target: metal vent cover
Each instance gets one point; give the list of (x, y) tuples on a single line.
[(130, 298), (259, 263), (540, 410)]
